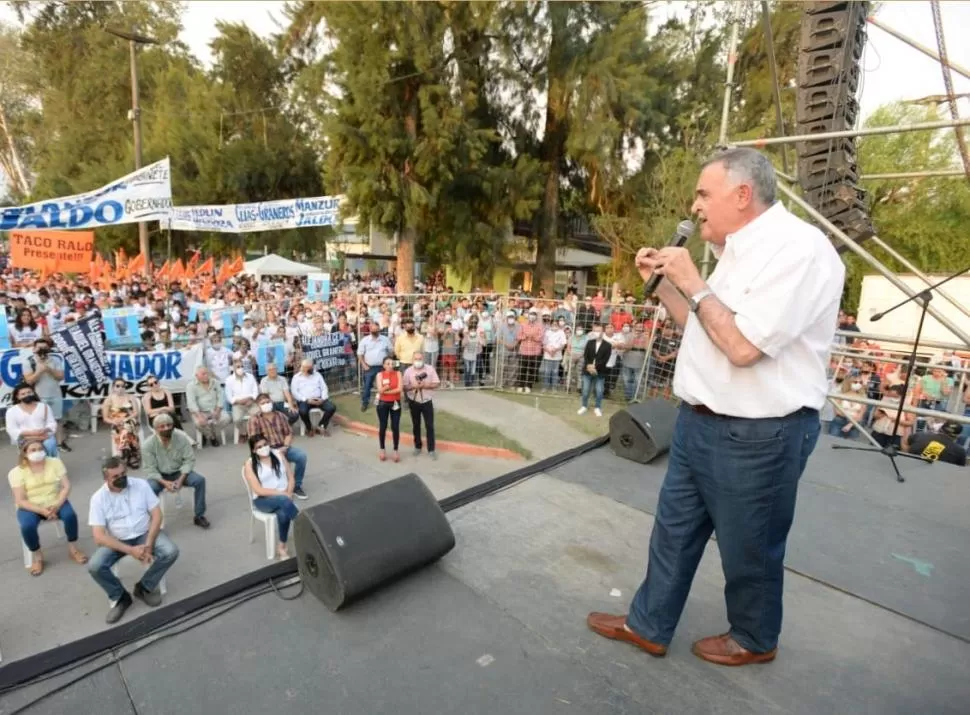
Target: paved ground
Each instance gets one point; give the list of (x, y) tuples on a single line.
[(542, 433), (67, 604)]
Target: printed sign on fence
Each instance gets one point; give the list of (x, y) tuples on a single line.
[(264, 216), (326, 351), (121, 326), (318, 287), (4, 331), (143, 195), (271, 351), (82, 348), (53, 251), (230, 317), (173, 368)]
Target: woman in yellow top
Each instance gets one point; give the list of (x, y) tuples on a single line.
[(40, 488)]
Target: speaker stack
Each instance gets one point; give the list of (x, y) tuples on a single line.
[(833, 35)]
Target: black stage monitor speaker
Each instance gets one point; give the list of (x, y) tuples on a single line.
[(643, 431), (354, 544)]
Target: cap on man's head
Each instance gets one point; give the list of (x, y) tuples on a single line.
[(952, 428), (162, 420)]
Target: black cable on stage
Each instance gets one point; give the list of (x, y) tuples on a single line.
[(167, 631), (56, 661)]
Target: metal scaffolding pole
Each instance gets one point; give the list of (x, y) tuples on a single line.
[(917, 46), (941, 173), (725, 113), (864, 255), (868, 131), (919, 274)]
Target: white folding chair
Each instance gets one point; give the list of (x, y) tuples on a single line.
[(198, 435), (314, 411), (269, 521), (28, 559)]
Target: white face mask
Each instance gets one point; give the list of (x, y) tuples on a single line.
[(267, 407), (418, 364), (263, 451), (511, 321), (37, 456), (856, 385), (580, 331), (626, 329)]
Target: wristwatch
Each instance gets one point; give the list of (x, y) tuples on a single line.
[(694, 302)]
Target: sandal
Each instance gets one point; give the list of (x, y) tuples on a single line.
[(382, 456), (78, 556), (396, 457), (37, 566)]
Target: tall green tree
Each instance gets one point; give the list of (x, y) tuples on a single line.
[(18, 111)]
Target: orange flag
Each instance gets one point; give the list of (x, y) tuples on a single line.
[(162, 273), (193, 262), (177, 272), (207, 266), (223, 275), (137, 264), (236, 266)]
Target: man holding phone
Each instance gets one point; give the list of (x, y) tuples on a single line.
[(420, 382)]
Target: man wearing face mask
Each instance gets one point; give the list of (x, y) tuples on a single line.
[(371, 352), (420, 382), (596, 357), (408, 345), (126, 520), (44, 372), (310, 391), (274, 426), (168, 461), (530, 351), (241, 393), (508, 339)]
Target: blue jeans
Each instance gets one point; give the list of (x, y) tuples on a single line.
[(164, 555), (469, 372), (283, 507), (50, 446), (327, 407), (836, 425), (629, 376), (196, 482), (549, 371), (297, 457), (737, 478), (964, 437), (589, 383), (369, 375), (29, 521)]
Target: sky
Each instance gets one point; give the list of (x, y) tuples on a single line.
[(893, 70)]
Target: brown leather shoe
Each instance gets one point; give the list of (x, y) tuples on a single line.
[(724, 650), (613, 627)]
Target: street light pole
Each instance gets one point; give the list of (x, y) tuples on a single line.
[(135, 116)]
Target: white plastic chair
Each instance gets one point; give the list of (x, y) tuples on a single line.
[(28, 559), (198, 435), (269, 521), (162, 586), (314, 410)]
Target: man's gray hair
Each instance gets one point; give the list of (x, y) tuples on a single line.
[(749, 166)]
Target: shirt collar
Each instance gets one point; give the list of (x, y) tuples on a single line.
[(747, 236)]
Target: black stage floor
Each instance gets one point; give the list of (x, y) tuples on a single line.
[(876, 615)]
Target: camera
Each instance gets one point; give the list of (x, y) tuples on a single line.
[(422, 376)]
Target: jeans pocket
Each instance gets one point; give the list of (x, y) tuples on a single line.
[(755, 431)]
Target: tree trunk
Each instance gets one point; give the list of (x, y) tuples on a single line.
[(17, 175), (551, 152), (407, 237)]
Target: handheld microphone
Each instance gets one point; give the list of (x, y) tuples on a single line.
[(684, 231)]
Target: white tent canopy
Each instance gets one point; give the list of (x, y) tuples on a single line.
[(273, 265)]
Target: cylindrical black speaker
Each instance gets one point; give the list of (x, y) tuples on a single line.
[(643, 431), (352, 545)]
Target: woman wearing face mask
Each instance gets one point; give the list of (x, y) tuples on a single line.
[(840, 426), (40, 489), (120, 411), (388, 407), (29, 418), (271, 483)]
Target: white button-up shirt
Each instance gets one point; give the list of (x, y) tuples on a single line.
[(238, 388), (126, 514), (308, 387), (783, 280)]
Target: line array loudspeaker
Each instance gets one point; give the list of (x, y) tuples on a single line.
[(833, 37)]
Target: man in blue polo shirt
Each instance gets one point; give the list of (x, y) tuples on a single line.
[(371, 352)]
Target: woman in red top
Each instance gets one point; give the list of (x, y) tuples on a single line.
[(389, 406)]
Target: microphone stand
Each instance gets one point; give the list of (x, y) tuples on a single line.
[(890, 450)]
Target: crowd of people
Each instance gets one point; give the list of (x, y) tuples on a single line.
[(397, 352)]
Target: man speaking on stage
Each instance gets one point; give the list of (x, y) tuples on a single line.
[(751, 378)]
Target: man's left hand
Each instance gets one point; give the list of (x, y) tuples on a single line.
[(676, 265)]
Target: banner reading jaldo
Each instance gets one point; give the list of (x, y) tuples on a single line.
[(82, 348), (326, 351), (263, 216), (60, 251), (144, 195), (173, 368)]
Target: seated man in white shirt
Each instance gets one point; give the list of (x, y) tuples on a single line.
[(311, 393), (241, 393), (126, 520)]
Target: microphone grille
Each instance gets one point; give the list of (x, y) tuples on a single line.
[(685, 229)]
